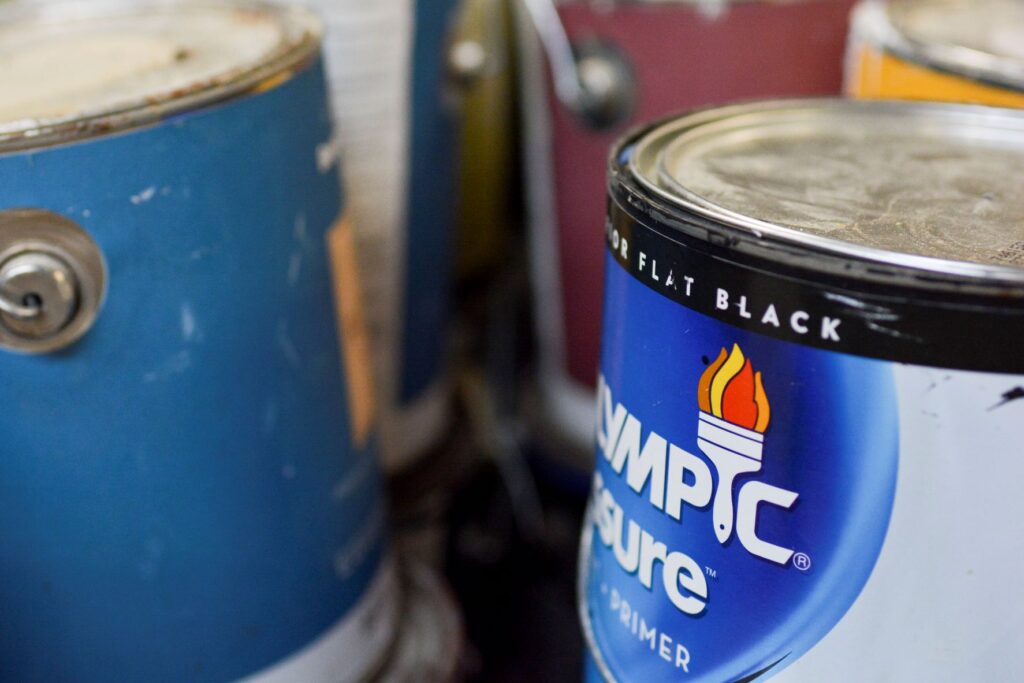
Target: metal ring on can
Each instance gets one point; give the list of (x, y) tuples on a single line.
[(52, 281)]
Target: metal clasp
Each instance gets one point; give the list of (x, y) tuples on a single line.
[(52, 281), (593, 80), (26, 311)]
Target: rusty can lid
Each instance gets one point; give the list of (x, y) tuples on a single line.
[(70, 69)]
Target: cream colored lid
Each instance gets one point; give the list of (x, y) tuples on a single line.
[(979, 39), (66, 62), (995, 27)]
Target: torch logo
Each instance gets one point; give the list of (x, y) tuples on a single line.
[(734, 415)]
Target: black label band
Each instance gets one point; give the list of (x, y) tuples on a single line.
[(870, 320)]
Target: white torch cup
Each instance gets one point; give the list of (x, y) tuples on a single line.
[(734, 450)]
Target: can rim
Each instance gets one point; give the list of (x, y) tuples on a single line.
[(428, 607), (303, 34), (646, 158), (873, 23)]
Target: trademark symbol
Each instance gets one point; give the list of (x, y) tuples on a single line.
[(802, 561), (711, 572)]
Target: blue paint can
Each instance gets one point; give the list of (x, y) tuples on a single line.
[(810, 397), (190, 491), (399, 142)]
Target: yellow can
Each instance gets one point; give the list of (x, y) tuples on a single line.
[(950, 50)]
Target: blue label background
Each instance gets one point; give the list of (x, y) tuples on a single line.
[(833, 439)]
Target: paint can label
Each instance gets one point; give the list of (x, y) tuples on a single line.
[(767, 502)]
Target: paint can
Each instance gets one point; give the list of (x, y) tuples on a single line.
[(190, 491), (810, 422), (429, 648), (387, 62), (596, 69), (950, 50), (483, 64)]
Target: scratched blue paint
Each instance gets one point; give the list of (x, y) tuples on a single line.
[(166, 483)]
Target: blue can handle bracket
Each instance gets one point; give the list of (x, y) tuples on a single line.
[(52, 281)]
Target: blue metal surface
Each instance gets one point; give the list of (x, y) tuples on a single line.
[(431, 204), (170, 483), (591, 674)]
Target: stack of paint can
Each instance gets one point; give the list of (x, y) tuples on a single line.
[(191, 488), (589, 71), (242, 443)]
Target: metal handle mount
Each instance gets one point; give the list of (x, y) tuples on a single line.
[(592, 79), (52, 281)]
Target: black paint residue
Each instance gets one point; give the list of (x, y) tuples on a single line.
[(1011, 395)]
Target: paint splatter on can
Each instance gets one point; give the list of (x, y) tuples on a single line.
[(949, 50), (809, 414), (631, 62), (190, 491)]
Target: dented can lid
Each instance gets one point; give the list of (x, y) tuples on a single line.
[(980, 39), (70, 69), (928, 186)]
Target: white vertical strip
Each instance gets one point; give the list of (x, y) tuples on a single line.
[(568, 404), (540, 186)]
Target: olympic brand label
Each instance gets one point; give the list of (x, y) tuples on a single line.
[(722, 511), (744, 520)]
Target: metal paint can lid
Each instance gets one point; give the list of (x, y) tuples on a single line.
[(932, 187), (68, 70), (979, 39)]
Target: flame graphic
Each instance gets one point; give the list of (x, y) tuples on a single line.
[(730, 389)]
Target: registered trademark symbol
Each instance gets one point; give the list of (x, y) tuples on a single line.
[(802, 561)]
